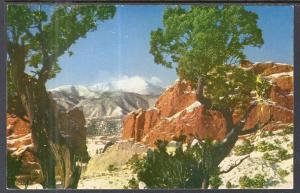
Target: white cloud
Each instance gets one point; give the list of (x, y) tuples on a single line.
[(136, 84), (155, 80)]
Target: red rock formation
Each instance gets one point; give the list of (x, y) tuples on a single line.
[(20, 145), (177, 111), (175, 99)]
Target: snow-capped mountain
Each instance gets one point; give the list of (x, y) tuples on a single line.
[(135, 84), (105, 100)]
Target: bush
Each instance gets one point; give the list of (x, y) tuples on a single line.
[(288, 130), (277, 141), (133, 183), (258, 181), (134, 162), (111, 168), (282, 154), (265, 133), (282, 173), (13, 169), (229, 185), (270, 158), (265, 146), (181, 169), (244, 149), (215, 182)]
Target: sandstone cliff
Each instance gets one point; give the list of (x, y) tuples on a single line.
[(20, 145), (178, 112)]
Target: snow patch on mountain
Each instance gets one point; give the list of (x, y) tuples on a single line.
[(135, 84)]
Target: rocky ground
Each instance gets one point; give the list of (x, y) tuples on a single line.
[(277, 170), (109, 170)]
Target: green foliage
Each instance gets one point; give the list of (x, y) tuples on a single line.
[(13, 169), (182, 169), (270, 157), (265, 133), (288, 130), (245, 148), (111, 168), (132, 184), (282, 173), (215, 182), (265, 146), (208, 42), (48, 32), (277, 141), (134, 162), (280, 155), (258, 181), (229, 185)]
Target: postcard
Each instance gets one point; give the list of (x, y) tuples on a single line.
[(150, 96)]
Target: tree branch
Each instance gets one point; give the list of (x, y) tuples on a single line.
[(236, 164), (227, 114), (200, 96), (43, 73)]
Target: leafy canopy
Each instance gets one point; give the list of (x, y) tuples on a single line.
[(46, 33), (208, 42)]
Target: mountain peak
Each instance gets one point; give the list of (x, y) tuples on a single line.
[(134, 84)]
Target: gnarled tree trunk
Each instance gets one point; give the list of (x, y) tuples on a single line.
[(216, 153), (49, 146)]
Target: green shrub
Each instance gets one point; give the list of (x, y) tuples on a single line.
[(269, 157), (288, 130), (265, 133), (181, 169), (277, 141), (282, 173), (229, 185), (258, 181), (244, 149), (265, 146), (133, 183), (282, 154), (111, 168), (215, 182), (13, 169), (134, 162)]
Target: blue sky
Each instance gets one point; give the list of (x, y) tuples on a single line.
[(120, 46)]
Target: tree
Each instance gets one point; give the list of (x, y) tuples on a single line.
[(13, 169), (205, 44), (37, 37)]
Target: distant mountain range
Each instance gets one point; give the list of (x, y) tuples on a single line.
[(107, 100)]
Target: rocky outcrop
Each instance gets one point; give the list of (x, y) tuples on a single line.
[(20, 145), (178, 112)]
